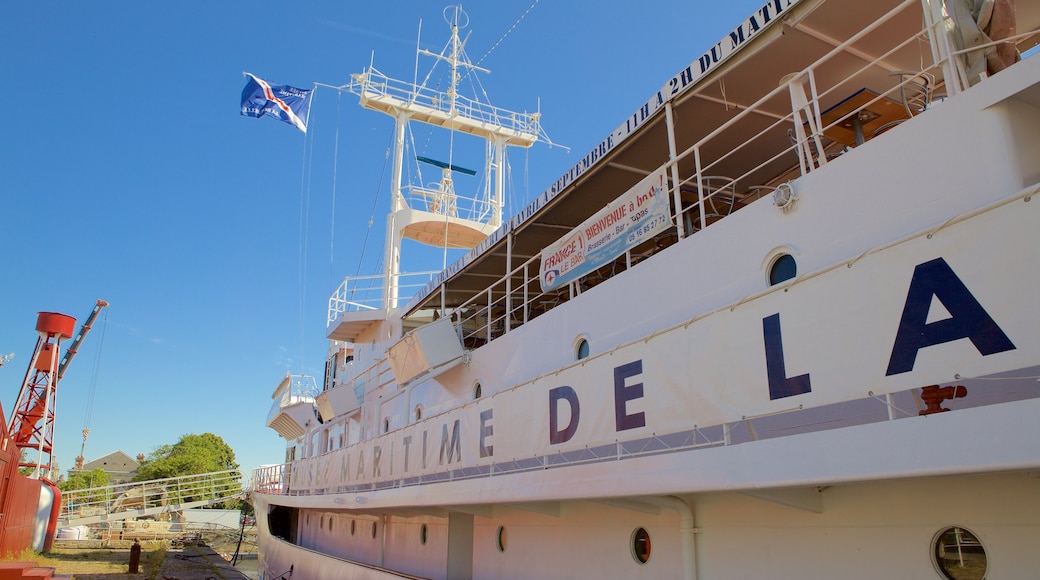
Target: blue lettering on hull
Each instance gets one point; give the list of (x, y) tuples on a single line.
[(968, 319)]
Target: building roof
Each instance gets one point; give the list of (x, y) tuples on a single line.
[(117, 461)]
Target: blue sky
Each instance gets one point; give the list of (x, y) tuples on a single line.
[(127, 174)]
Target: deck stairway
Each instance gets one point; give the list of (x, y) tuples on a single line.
[(144, 499)]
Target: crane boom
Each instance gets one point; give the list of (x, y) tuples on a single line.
[(83, 330)]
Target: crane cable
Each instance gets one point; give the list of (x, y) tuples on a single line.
[(89, 407)]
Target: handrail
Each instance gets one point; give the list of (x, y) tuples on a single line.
[(277, 479), (374, 84), (359, 293), (147, 498), (301, 387), (446, 203)]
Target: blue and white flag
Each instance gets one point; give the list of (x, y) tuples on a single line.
[(283, 102)]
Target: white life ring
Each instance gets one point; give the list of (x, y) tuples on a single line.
[(144, 525)]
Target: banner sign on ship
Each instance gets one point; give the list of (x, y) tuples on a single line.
[(638, 215), (769, 14)]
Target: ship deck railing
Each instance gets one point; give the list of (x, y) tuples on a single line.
[(706, 196), (793, 421), (441, 202), (361, 293), (375, 85), (301, 388)]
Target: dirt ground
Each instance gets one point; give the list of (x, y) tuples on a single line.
[(160, 560)]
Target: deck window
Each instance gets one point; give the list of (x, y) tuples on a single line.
[(500, 539), (783, 268), (959, 555), (641, 545), (581, 349)]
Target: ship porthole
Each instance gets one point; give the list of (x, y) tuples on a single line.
[(352, 523), (581, 348), (418, 413), (422, 534), (957, 554), (500, 539), (641, 545), (783, 268), (386, 425), (477, 391), (373, 529)]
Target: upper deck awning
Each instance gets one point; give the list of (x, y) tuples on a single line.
[(739, 71)]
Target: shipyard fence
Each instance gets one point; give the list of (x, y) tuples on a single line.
[(149, 499)]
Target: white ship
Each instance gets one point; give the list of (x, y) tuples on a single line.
[(782, 322)]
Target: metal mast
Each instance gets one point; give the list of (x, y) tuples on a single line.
[(436, 215)]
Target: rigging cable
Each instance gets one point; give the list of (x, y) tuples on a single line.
[(502, 162), (89, 407), (305, 194), (335, 180), (375, 202), (506, 33)]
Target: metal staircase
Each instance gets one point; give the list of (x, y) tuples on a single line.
[(149, 499)]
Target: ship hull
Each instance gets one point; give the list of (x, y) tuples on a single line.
[(856, 531)]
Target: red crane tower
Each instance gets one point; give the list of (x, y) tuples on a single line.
[(38, 395)]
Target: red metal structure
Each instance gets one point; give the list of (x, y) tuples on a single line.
[(38, 396), (30, 505)]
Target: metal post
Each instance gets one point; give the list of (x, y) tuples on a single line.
[(393, 238), (676, 193), (509, 280), (135, 557)]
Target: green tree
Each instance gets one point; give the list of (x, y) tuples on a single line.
[(193, 454), (85, 480)]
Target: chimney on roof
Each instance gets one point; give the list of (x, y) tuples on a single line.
[(140, 457)]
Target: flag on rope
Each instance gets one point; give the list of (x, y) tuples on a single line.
[(283, 102)]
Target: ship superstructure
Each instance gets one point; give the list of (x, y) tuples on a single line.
[(779, 322)]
